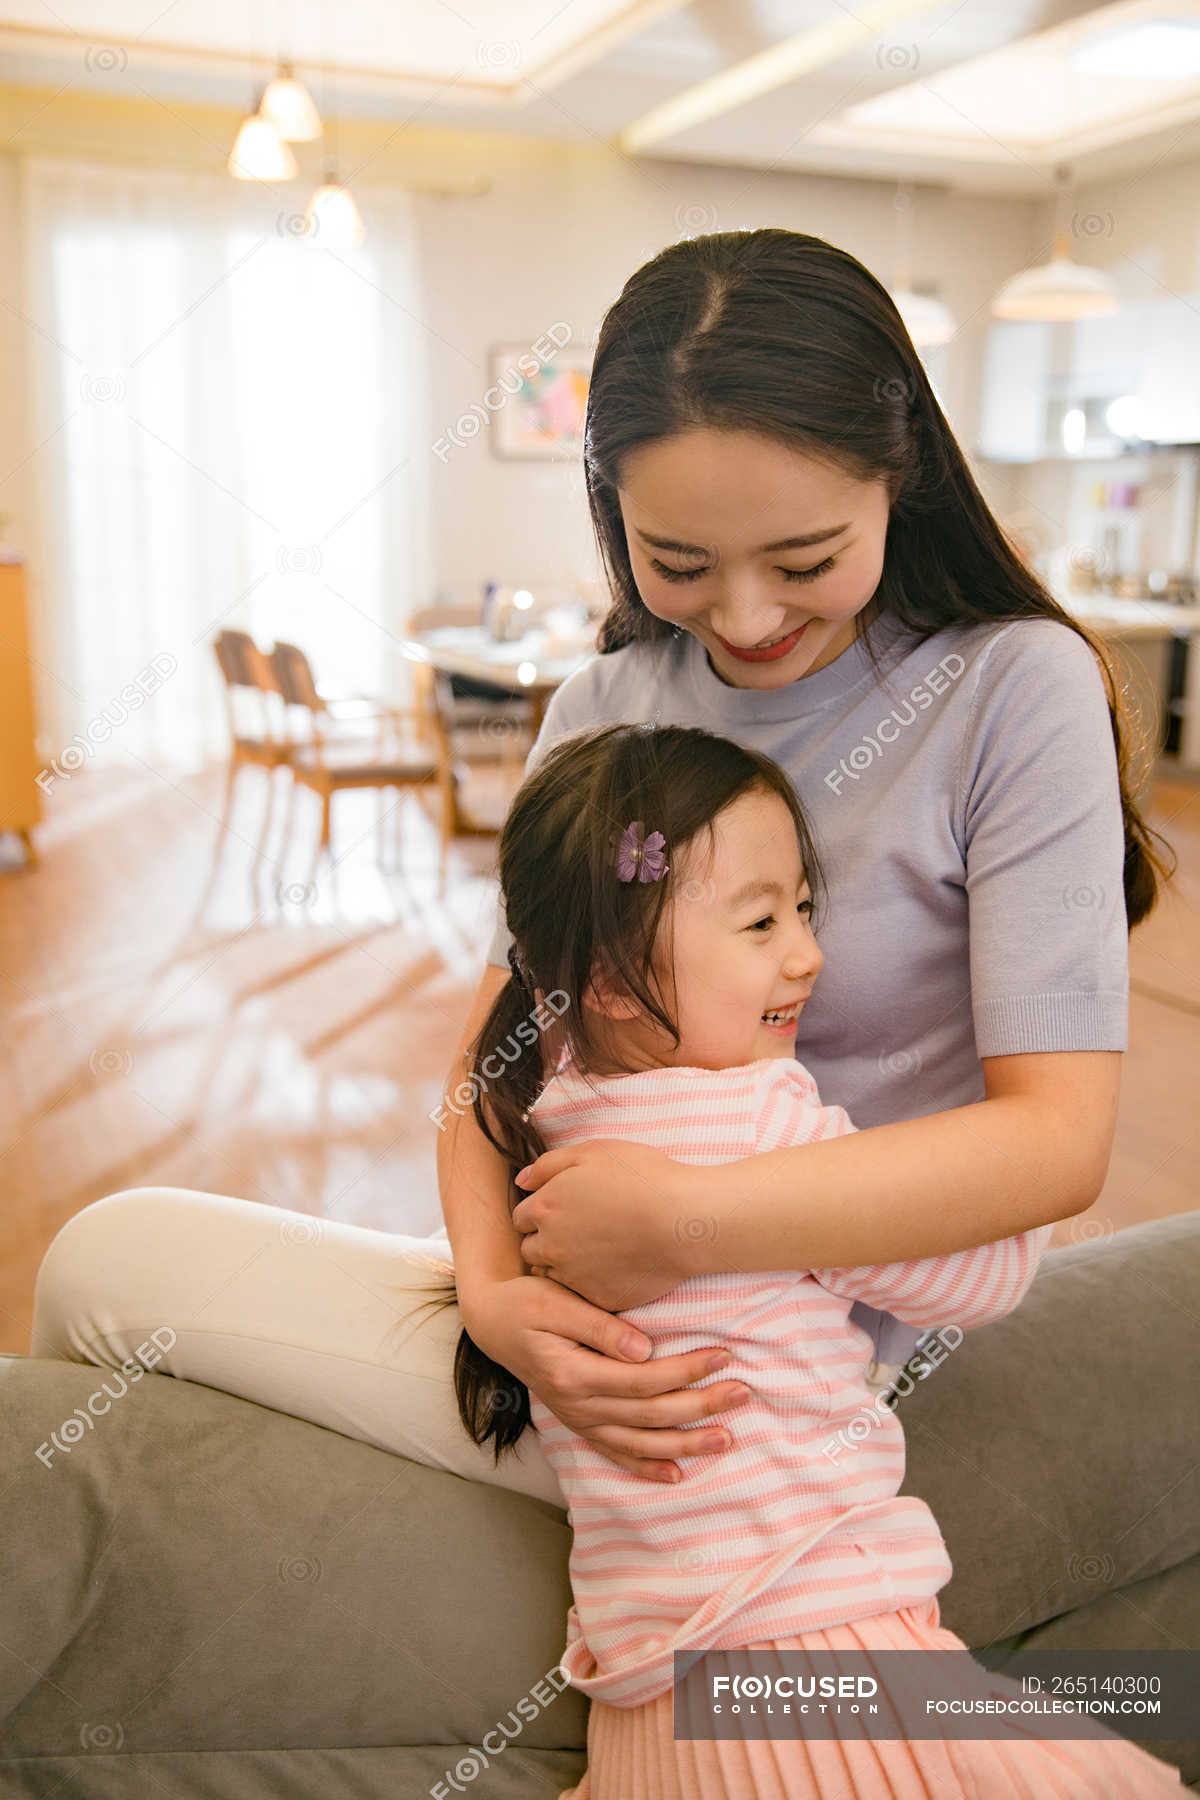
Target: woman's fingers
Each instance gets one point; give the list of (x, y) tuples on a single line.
[(604, 1376), (656, 1447), (665, 1412), (640, 1465), (568, 1315)]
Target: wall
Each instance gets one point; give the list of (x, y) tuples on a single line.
[(560, 231)]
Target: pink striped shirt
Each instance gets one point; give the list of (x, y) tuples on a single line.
[(793, 1527)]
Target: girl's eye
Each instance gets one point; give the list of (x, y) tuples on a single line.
[(670, 574), (804, 906)]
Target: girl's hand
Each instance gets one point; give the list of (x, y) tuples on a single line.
[(611, 1220), (629, 1410)]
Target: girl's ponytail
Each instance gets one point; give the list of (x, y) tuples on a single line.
[(492, 1403)]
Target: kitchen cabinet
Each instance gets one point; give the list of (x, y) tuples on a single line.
[(1031, 377), (1109, 354), (1016, 380), (1170, 387)]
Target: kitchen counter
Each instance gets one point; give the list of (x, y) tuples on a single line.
[(1129, 619), (1141, 634)]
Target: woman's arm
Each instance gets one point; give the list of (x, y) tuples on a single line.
[(1034, 1151), (622, 1223), (630, 1409)]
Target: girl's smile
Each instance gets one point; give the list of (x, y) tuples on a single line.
[(784, 1020)]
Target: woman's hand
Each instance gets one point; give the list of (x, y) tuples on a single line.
[(611, 1220), (631, 1411)]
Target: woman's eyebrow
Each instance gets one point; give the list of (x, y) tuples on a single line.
[(791, 543)]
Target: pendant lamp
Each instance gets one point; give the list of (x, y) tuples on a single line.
[(1061, 288)]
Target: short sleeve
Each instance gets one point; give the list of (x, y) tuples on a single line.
[(569, 710), (1043, 842), (968, 1288), (788, 1109)]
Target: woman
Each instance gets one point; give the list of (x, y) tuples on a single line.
[(800, 560), (784, 515)]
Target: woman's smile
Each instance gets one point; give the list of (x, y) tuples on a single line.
[(768, 652)]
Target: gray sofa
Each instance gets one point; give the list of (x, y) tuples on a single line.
[(206, 1598)]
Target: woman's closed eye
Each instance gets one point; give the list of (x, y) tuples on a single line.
[(670, 574)]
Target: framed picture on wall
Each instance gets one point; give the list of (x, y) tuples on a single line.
[(537, 398)]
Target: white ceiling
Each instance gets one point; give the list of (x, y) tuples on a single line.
[(974, 93)]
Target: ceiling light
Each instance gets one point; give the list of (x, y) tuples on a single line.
[(288, 105), (260, 154), (926, 320), (333, 220), (1059, 289), (1159, 50)]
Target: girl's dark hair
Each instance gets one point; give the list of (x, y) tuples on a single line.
[(781, 334), (573, 920)]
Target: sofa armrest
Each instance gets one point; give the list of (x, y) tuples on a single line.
[(1059, 1447)]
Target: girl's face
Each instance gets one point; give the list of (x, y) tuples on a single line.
[(737, 944), (714, 521)]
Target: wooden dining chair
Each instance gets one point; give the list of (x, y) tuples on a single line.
[(252, 701), (410, 750)]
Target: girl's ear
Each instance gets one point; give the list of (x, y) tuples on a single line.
[(607, 994)]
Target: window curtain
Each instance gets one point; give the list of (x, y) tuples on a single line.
[(231, 429)]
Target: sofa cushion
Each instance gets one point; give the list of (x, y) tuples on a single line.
[(200, 1572)]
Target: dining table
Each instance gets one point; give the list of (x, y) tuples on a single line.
[(533, 664)]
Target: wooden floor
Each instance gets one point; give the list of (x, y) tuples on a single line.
[(234, 1028)]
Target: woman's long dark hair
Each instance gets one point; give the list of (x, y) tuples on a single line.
[(778, 333), (573, 920)]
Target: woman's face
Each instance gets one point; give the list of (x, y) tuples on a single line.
[(710, 517)]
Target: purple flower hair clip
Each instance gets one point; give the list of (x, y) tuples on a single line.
[(641, 856)]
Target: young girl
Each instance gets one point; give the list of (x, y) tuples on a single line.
[(659, 887)]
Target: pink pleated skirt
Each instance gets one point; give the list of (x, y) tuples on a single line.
[(633, 1753)]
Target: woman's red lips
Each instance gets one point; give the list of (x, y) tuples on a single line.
[(770, 653)]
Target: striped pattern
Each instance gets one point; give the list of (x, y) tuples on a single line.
[(798, 1525)]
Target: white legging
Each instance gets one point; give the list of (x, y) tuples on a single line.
[(310, 1316)]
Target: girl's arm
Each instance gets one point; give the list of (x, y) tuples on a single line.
[(622, 1223), (970, 1288)]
